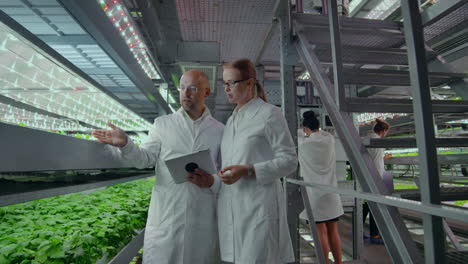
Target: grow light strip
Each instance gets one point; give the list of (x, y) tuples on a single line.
[(32, 78), (22, 117), (123, 22)]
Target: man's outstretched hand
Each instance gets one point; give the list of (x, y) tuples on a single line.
[(115, 137)]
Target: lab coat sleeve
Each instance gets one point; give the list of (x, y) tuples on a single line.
[(217, 181), (284, 160), (216, 184), (147, 154), (372, 151)]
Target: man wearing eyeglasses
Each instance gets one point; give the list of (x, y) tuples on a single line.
[(181, 225)]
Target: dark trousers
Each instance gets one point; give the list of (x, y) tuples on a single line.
[(374, 231)]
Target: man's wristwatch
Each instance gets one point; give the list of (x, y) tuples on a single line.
[(250, 170)]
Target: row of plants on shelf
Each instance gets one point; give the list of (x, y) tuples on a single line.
[(74, 228), (404, 186), (408, 154)]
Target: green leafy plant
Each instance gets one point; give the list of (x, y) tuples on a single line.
[(399, 186), (74, 228)]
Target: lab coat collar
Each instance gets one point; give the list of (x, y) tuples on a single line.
[(185, 115), (204, 119), (250, 109)]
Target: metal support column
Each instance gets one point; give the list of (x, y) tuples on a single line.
[(288, 58), (335, 41), (434, 236)]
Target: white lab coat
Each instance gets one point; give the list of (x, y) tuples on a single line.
[(181, 225), (377, 155), (252, 219), (318, 165)]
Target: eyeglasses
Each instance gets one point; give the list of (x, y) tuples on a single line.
[(192, 89), (233, 83)]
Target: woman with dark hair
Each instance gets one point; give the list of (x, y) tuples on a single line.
[(318, 165), (381, 129), (257, 150)]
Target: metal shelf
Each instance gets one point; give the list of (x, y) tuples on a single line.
[(379, 77), (360, 55), (441, 159), (457, 257), (446, 194), (36, 195), (411, 142), (26, 149), (384, 105), (354, 31), (130, 250), (347, 22)]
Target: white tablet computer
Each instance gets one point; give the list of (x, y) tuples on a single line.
[(179, 166)]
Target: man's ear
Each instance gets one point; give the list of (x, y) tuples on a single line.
[(207, 92)]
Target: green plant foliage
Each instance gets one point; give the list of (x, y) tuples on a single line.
[(74, 228), (461, 202), (399, 186)]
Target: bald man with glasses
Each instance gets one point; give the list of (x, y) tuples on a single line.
[(181, 225)]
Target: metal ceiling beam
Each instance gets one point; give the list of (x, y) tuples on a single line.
[(36, 13), (160, 21), (91, 17), (67, 39), (103, 71)]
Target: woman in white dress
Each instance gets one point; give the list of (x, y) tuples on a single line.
[(257, 150), (318, 165)]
